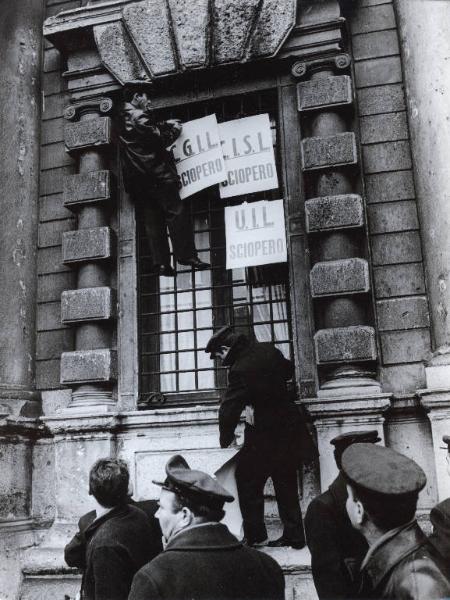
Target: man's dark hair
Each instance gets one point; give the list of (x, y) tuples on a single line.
[(387, 513), (197, 508), (108, 481)]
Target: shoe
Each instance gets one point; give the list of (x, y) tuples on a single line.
[(282, 541), (196, 263), (165, 271), (252, 544)]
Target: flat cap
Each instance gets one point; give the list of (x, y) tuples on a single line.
[(223, 337), (440, 519), (379, 470), (195, 485), (354, 437)]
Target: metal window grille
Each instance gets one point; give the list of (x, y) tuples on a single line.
[(177, 315)]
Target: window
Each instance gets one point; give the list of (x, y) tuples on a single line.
[(177, 315)]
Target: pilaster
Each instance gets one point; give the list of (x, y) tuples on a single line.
[(90, 370), (345, 345)]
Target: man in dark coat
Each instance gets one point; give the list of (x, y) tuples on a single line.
[(118, 542), (202, 560), (151, 178), (383, 487), (337, 549), (75, 550), (440, 519), (257, 378)]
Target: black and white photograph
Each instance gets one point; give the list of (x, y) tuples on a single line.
[(224, 299)]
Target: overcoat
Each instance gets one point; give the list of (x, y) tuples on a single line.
[(117, 545), (404, 566), (75, 550), (440, 538), (337, 549), (258, 376), (206, 562)]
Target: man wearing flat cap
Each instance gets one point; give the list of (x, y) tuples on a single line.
[(257, 383), (202, 559), (337, 549), (383, 487), (150, 177), (440, 520)]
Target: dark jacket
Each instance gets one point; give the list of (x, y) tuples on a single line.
[(75, 551), (117, 545), (145, 160), (208, 563), (257, 377), (337, 549), (404, 567), (440, 538)]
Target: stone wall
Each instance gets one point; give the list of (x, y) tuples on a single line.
[(401, 301), (53, 337)]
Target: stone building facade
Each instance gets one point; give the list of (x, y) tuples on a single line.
[(98, 357)]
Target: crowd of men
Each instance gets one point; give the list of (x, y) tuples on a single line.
[(362, 532)]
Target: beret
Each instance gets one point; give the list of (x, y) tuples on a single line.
[(380, 470), (195, 485), (353, 437)]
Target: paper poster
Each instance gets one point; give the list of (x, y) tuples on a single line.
[(255, 234), (226, 476), (198, 155), (249, 157)]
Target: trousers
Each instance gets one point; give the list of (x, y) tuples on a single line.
[(261, 457), (161, 209)]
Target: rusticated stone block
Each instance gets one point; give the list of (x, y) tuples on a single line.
[(232, 21), (399, 280), (329, 151), (118, 52), (87, 304), (375, 45), (86, 244), (335, 90), (403, 313), (388, 187), (334, 212), (88, 366), (275, 21), (86, 188), (148, 25), (337, 277), (399, 347), (345, 344), (86, 134)]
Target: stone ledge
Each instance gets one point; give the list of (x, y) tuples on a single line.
[(88, 366), (334, 212), (345, 344), (86, 245), (87, 304), (86, 188), (335, 90), (340, 277), (87, 134), (329, 151)]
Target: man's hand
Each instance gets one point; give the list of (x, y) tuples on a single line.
[(175, 123)]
